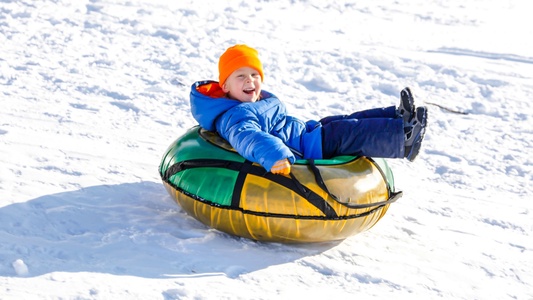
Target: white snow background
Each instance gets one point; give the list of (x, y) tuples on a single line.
[(93, 92)]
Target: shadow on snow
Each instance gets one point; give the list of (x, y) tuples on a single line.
[(128, 229)]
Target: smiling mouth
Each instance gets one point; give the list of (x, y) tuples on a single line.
[(249, 91)]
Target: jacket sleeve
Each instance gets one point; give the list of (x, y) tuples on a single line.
[(244, 133)]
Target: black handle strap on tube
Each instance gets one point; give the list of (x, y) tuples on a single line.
[(245, 168), (320, 181)]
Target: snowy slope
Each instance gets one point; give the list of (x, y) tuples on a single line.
[(93, 92)]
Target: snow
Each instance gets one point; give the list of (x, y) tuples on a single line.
[(93, 92)]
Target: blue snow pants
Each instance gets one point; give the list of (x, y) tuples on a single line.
[(375, 132)]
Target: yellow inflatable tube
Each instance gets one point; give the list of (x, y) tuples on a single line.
[(322, 200)]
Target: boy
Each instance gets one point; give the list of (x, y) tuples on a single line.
[(256, 124)]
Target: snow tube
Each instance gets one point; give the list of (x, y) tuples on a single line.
[(322, 200)]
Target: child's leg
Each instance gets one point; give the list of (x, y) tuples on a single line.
[(377, 137), (387, 112)]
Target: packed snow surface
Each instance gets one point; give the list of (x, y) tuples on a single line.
[(93, 92)]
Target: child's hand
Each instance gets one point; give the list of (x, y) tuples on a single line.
[(282, 167)]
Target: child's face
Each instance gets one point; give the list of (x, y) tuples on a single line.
[(244, 84)]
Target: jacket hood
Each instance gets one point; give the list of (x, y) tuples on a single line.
[(208, 102)]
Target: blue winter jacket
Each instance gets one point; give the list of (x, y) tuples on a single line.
[(261, 131)]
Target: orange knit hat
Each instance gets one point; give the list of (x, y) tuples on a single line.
[(235, 57)]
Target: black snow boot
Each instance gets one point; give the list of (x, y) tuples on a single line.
[(414, 132), (406, 109)]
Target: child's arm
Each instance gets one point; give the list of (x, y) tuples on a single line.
[(258, 146), (247, 128)]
